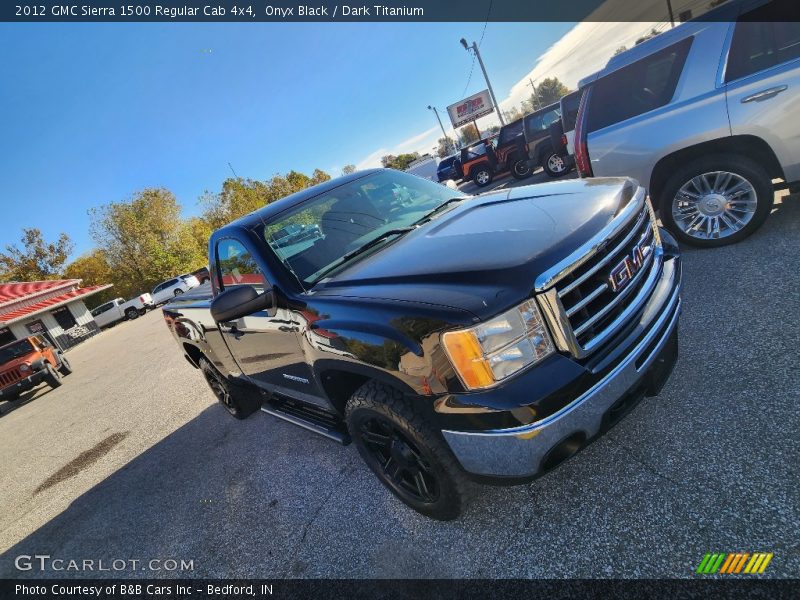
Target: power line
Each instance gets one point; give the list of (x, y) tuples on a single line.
[(472, 66)]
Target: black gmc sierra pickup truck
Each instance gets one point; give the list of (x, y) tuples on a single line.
[(452, 338)]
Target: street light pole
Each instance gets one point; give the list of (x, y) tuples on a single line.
[(446, 139), (474, 48)]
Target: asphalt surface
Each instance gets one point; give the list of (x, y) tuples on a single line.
[(132, 459)]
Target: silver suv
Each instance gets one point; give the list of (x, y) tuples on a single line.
[(705, 116)]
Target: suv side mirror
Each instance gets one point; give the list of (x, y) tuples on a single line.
[(239, 302)]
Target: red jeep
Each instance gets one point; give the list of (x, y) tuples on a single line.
[(28, 362)]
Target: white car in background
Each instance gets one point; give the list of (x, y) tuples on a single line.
[(167, 290), (118, 310)]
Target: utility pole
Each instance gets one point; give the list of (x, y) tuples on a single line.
[(671, 14), (474, 48), (536, 105), (448, 142)]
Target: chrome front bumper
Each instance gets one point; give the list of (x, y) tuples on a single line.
[(520, 451)]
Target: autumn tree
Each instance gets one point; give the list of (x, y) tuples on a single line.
[(37, 259), (399, 162), (467, 135), (240, 196), (145, 241), (93, 269), (348, 169)]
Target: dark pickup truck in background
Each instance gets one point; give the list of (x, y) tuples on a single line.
[(451, 338)]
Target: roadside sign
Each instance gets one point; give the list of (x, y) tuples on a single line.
[(472, 108)]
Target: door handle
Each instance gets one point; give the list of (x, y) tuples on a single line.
[(765, 94)]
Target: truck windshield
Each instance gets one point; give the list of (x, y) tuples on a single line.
[(15, 350), (325, 231)]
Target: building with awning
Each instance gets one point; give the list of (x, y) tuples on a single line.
[(54, 309)]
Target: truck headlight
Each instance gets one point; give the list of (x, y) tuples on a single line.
[(24, 367), (492, 351)]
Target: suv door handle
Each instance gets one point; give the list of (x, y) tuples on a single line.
[(765, 94)]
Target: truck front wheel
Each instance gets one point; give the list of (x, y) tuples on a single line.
[(64, 368), (405, 452), (234, 401)]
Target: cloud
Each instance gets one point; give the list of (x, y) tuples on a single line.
[(583, 50)]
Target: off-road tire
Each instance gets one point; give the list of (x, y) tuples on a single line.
[(376, 400), (238, 404), (546, 156), (64, 367), (52, 377), (520, 168), (742, 166), (477, 177)]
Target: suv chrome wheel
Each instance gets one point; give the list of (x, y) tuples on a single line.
[(482, 177), (556, 163), (714, 205)]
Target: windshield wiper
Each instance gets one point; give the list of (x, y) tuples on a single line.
[(439, 208), (363, 248), (376, 241)]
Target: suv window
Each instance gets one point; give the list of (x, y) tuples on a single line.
[(537, 123), (763, 39), (569, 110), (638, 88), (236, 266), (509, 132)]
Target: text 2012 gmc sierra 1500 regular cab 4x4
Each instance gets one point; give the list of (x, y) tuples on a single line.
[(451, 338)]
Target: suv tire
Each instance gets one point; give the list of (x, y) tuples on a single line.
[(52, 377), (482, 176), (721, 176), (554, 164), (520, 168), (64, 368), (239, 404), (406, 454)]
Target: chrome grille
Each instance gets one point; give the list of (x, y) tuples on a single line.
[(601, 290), (9, 377)]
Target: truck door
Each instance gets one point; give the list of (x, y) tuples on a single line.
[(266, 348), (763, 81)]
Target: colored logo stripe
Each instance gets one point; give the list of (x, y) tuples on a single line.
[(734, 562)]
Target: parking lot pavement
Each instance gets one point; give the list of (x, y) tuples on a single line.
[(132, 459), (507, 181)]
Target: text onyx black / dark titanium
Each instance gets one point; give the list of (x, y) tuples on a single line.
[(451, 338)]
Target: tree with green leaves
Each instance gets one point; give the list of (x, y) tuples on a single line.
[(240, 196), (37, 259), (399, 162), (145, 240), (467, 135), (548, 92)]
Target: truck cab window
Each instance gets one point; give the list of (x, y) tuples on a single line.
[(236, 266)]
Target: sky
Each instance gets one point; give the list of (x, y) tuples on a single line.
[(92, 113)]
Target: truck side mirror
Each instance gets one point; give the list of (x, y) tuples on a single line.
[(240, 301)]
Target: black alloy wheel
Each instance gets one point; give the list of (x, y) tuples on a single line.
[(397, 441), (401, 463)]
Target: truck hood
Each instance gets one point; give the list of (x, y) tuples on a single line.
[(485, 254)]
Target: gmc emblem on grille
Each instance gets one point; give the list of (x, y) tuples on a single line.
[(625, 269)]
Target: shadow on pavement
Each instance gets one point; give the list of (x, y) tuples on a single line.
[(198, 495)]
